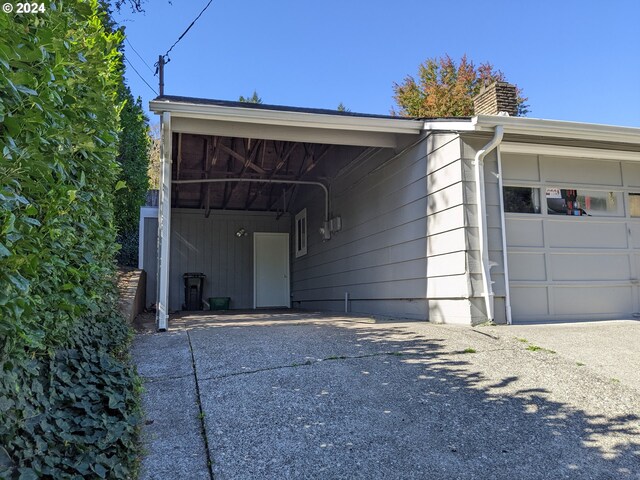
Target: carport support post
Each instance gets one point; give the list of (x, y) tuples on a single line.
[(164, 224)]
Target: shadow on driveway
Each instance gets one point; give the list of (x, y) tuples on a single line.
[(305, 395)]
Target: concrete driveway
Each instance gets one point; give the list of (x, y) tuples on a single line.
[(307, 395)]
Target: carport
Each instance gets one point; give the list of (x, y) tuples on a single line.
[(231, 175), (466, 220)]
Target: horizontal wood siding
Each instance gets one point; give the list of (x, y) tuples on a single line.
[(447, 278), (379, 256)]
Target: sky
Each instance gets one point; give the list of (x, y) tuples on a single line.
[(574, 60)]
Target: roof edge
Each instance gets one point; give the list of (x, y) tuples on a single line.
[(282, 116), (558, 128)]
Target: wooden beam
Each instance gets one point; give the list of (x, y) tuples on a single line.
[(226, 185), (209, 161), (250, 155), (178, 162), (242, 159), (315, 162), (279, 165)]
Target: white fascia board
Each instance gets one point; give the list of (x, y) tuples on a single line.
[(558, 129), (449, 126), (286, 118), (564, 151)]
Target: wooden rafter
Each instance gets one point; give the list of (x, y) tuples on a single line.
[(176, 198), (283, 161), (210, 159), (250, 155), (314, 162), (243, 159), (226, 185)]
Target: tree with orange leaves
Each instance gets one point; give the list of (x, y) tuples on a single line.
[(446, 89)]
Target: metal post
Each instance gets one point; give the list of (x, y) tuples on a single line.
[(164, 225)]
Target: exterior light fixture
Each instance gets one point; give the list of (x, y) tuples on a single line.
[(241, 232)]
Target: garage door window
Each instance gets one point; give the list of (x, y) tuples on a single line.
[(578, 202), (521, 200), (634, 204)]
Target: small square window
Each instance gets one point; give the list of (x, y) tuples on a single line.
[(521, 200), (301, 233)]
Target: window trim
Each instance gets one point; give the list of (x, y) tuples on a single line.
[(301, 230)]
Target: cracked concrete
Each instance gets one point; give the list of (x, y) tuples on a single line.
[(303, 395)]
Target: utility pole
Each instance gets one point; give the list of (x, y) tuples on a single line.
[(161, 74)]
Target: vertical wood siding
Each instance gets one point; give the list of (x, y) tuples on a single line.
[(209, 245)]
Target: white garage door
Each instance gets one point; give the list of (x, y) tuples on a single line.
[(573, 237)]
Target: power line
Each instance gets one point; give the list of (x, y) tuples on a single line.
[(139, 56), (141, 77), (185, 32)]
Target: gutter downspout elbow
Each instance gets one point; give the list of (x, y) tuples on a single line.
[(483, 238)]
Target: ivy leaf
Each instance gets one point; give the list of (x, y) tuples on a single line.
[(120, 185), (72, 195), (4, 251), (100, 470), (27, 474), (5, 459)]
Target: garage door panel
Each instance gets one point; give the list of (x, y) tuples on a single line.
[(602, 300), (581, 267), (524, 233), (635, 234), (528, 301), (631, 173), (526, 266), (578, 170), (576, 233), (520, 167)]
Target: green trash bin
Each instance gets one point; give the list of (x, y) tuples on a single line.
[(219, 303)]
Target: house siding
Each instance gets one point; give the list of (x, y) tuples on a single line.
[(448, 287), (379, 256), (209, 245)]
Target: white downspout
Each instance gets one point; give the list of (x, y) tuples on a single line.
[(505, 263), (483, 238)]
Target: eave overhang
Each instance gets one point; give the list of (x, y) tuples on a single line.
[(537, 127)]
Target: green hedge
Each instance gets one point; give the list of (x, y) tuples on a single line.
[(59, 77), (60, 73)]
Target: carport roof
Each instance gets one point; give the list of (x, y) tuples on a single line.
[(284, 116)]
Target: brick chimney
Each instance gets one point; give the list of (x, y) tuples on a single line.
[(495, 98)]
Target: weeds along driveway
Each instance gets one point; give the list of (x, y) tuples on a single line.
[(314, 396)]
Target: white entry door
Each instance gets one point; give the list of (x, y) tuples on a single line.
[(271, 270)]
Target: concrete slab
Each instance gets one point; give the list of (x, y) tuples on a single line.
[(162, 356), (314, 396), (611, 349), (172, 438)]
